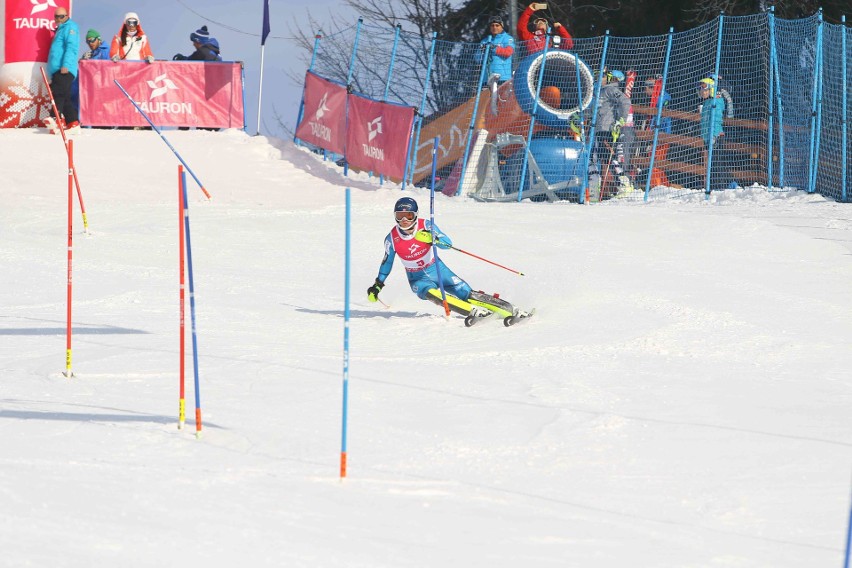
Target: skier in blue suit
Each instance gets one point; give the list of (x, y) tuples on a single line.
[(411, 241)]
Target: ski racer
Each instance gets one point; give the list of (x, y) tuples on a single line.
[(411, 240)]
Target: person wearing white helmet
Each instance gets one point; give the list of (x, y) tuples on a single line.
[(131, 43)]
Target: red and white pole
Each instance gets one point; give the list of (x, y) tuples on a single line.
[(68, 372), (181, 281)]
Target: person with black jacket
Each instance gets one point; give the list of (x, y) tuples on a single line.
[(206, 47)]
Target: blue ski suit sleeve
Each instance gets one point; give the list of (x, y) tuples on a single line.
[(387, 261)]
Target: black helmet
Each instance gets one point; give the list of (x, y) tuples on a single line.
[(405, 205)]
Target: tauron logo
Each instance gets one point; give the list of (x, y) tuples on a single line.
[(374, 127), (39, 7), (323, 108), (157, 89)]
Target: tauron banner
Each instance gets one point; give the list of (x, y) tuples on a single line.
[(377, 136), (28, 29), (324, 118), (173, 93)]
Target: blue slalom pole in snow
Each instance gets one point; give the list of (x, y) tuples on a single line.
[(191, 307), (848, 538), (346, 335), (435, 143), (157, 130)]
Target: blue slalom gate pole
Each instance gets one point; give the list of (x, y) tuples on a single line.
[(848, 537), (346, 335), (770, 141), (844, 134), (192, 308), (157, 130), (435, 143), (814, 94)]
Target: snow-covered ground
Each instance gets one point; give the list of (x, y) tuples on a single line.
[(681, 398)]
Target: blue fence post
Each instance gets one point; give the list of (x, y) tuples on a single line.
[(582, 125), (301, 114), (349, 89), (390, 73), (659, 116), (844, 116), (713, 101), (812, 166), (532, 117), (472, 124), (591, 141), (780, 97), (772, 54), (413, 151), (820, 76)]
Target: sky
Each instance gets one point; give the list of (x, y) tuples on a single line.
[(680, 398), (237, 26)]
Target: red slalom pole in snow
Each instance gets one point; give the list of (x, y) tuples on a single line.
[(68, 372), (67, 149)]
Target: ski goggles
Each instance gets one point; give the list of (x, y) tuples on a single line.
[(132, 22), (405, 216), (93, 40)]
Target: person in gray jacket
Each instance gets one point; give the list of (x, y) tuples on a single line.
[(608, 152)]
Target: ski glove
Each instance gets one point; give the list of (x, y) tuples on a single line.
[(425, 236), (616, 129), (373, 291)]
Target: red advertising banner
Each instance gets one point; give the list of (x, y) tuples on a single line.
[(25, 38), (377, 136), (172, 93), (29, 28), (323, 122)]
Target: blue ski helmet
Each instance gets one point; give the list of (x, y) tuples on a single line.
[(405, 205)]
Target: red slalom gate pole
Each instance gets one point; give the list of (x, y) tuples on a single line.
[(66, 141), (181, 281), (68, 372)]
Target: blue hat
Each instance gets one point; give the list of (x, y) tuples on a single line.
[(201, 35)]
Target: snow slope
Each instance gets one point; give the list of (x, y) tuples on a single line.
[(681, 398)]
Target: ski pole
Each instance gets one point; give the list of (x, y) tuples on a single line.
[(518, 272)]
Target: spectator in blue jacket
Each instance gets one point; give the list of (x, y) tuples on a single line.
[(712, 131), (500, 54), (97, 48), (62, 69)]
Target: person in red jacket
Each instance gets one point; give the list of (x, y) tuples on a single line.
[(533, 42)]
